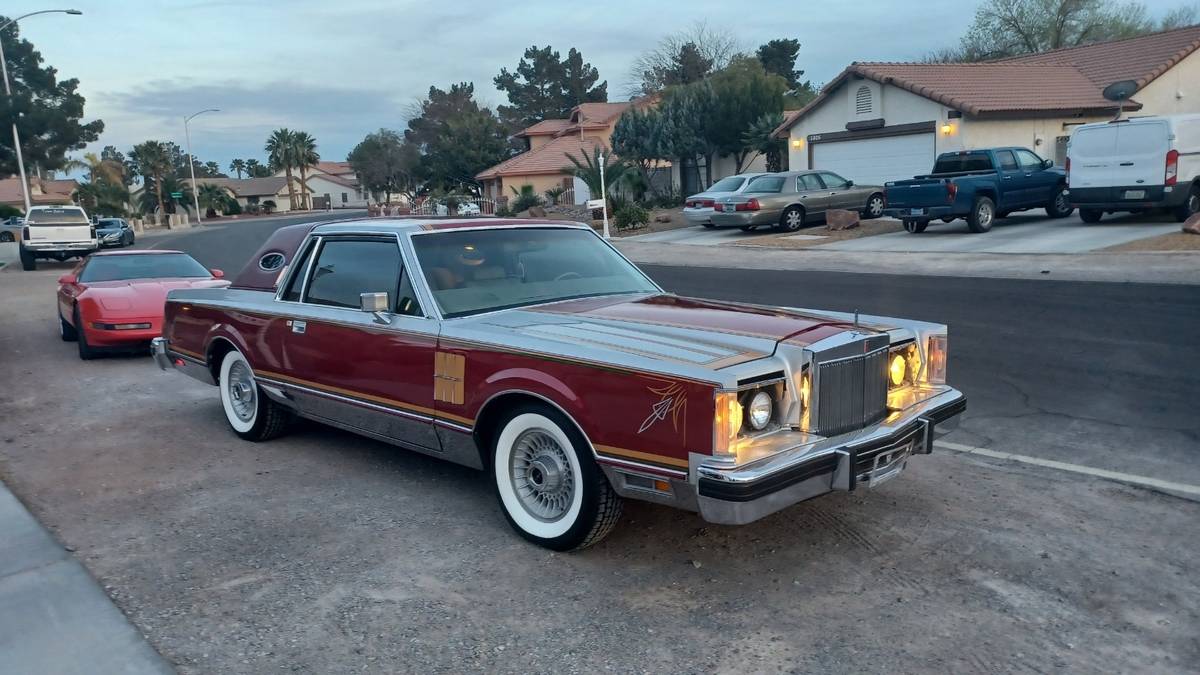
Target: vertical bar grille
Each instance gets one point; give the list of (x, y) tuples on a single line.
[(851, 392)]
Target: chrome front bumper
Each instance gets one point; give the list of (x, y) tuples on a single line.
[(158, 349), (743, 494)]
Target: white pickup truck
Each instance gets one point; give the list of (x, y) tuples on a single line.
[(57, 232)]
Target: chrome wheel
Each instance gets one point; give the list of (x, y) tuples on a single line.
[(985, 215), (243, 394), (541, 475), (875, 207)]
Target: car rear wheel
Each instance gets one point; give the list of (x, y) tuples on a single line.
[(550, 489), (252, 415), (983, 214), (7, 237), (708, 225), (874, 207), (792, 219), (28, 261), (66, 331), (86, 352), (1190, 207), (1090, 215), (747, 228), (915, 226), (1060, 205)]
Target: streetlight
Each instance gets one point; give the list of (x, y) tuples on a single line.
[(192, 160), (8, 93)]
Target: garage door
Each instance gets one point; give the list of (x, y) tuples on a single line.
[(874, 161)]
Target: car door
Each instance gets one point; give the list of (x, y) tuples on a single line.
[(1142, 147), (812, 194), (1011, 182), (372, 373), (841, 194), (1039, 183)]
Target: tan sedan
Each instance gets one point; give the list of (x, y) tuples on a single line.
[(787, 201)]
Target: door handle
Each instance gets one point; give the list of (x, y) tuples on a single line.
[(1006, 178), (1126, 163)]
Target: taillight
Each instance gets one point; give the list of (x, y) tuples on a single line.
[(1172, 174), (751, 205), (25, 233), (707, 203), (1067, 167), (951, 192)]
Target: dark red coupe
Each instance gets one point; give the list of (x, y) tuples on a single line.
[(115, 300)]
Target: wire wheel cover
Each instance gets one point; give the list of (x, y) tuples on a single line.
[(541, 475)]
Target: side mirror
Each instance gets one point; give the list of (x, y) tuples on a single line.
[(67, 279), (217, 274), (1047, 164), (377, 304), (849, 183)]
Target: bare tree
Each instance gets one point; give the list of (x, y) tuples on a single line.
[(679, 56)]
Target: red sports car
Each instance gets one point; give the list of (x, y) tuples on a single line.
[(115, 299)]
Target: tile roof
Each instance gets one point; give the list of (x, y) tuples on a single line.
[(250, 187), (53, 191), (1141, 58), (545, 128), (335, 178), (551, 158), (334, 168), (600, 113), (1061, 80)]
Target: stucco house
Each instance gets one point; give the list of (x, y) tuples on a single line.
[(543, 165), (42, 191), (876, 122), (334, 183), (256, 191)]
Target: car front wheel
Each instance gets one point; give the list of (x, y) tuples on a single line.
[(874, 207), (66, 331), (7, 237), (551, 490), (252, 415), (86, 352)]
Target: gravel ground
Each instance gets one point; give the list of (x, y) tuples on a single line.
[(325, 552)]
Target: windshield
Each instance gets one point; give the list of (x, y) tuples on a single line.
[(142, 266), (730, 184), (109, 224), (953, 163), (766, 184), (63, 216), (475, 271)]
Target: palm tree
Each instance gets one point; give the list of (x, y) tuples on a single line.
[(212, 197), (281, 152), (238, 166), (153, 159), (253, 168), (587, 168), (306, 156)]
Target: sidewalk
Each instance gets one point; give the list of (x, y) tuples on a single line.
[(54, 617), (1124, 267)]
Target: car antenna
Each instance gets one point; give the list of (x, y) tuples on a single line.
[(856, 318)]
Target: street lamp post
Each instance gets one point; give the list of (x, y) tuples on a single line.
[(192, 160), (8, 93)]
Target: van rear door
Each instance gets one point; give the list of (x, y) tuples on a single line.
[(1092, 153), (1141, 157), (59, 225)]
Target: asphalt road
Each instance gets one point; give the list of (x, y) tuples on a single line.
[(322, 551), (1098, 374)]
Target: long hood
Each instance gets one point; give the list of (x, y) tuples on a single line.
[(141, 297), (661, 332)]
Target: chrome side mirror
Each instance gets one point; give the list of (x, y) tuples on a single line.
[(377, 304)]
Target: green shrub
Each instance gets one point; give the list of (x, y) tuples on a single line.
[(7, 211), (269, 205), (554, 193), (630, 216), (232, 207), (526, 198)]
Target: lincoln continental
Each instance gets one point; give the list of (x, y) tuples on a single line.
[(534, 351)]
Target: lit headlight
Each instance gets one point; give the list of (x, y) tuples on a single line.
[(904, 366), (759, 411)]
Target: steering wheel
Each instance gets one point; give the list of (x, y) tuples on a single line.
[(567, 275)]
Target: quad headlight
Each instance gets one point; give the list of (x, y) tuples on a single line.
[(759, 411), (904, 366)]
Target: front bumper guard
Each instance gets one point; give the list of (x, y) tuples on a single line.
[(158, 349), (740, 495)]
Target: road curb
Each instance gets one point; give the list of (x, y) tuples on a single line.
[(54, 617)]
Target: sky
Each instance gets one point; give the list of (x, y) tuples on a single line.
[(340, 69)]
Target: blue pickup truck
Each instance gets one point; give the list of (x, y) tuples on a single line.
[(979, 186)]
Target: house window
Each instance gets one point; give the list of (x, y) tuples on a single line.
[(345, 197), (862, 100)]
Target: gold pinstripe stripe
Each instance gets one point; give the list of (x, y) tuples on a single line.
[(643, 456), (367, 397)]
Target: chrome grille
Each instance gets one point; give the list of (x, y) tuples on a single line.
[(851, 392)]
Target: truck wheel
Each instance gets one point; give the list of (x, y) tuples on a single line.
[(551, 490), (792, 219), (1190, 207), (1090, 215), (915, 226), (28, 260), (252, 415), (874, 207), (983, 213), (1059, 206)]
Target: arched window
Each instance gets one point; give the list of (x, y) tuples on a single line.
[(862, 100)]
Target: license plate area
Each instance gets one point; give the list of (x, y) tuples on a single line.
[(916, 212), (887, 465), (1135, 194)]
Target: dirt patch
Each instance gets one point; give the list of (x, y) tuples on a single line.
[(1175, 241), (868, 228)]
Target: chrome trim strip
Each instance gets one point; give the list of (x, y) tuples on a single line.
[(607, 459), (345, 399), (452, 425)]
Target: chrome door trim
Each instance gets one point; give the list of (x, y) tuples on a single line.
[(344, 399)]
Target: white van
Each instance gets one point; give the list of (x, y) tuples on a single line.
[(1135, 165), (58, 232)]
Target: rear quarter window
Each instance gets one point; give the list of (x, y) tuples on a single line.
[(63, 216), (1094, 142)]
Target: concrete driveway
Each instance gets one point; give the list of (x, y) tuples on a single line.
[(702, 236), (1030, 232)]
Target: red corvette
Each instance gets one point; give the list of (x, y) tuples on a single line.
[(115, 299)]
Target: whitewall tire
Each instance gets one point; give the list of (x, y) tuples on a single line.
[(250, 414), (550, 489)]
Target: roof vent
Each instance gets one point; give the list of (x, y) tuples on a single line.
[(862, 101)]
